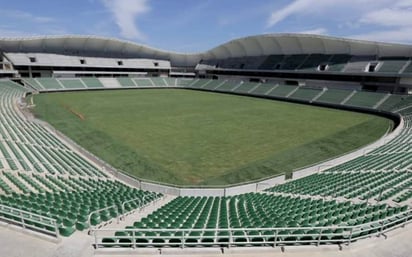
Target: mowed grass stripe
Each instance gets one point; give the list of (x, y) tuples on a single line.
[(190, 137)]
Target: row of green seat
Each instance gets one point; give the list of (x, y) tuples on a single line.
[(362, 185), (382, 174), (202, 220), (31, 150), (321, 95), (365, 99), (334, 96), (314, 63), (71, 209), (28, 146)]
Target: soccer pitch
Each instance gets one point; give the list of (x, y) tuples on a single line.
[(189, 137)]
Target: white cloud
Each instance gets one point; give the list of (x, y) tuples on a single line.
[(379, 20), (125, 13), (400, 35), (389, 17), (394, 23), (328, 8), (295, 7), (404, 3), (304, 7), (317, 31), (21, 15)]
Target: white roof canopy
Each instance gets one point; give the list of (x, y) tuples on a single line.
[(249, 46)]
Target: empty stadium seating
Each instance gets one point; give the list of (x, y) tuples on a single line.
[(245, 88), (392, 65), (71, 208), (408, 68), (91, 83), (227, 86), (126, 82), (365, 99), (159, 82), (54, 187), (382, 175), (183, 82), (282, 90), (263, 89), (144, 82), (293, 62), (306, 93), (51, 84), (35, 84), (48, 183), (332, 63), (338, 62), (358, 64), (220, 221), (72, 83), (314, 60), (271, 61), (334, 96)]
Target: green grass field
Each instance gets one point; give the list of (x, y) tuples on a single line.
[(198, 138)]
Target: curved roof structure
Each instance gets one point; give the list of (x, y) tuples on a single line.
[(248, 46)]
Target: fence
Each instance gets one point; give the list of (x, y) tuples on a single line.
[(232, 237), (28, 220)]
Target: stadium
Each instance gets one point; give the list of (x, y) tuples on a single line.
[(264, 143)]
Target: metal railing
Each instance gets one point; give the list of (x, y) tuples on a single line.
[(29, 220), (121, 211), (232, 237), (141, 205), (129, 201), (89, 218)]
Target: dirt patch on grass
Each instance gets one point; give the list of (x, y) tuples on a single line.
[(194, 180), (78, 114)]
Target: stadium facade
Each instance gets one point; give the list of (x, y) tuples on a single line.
[(295, 58)]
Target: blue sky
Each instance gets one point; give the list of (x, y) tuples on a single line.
[(198, 25)]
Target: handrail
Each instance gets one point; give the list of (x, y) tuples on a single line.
[(128, 201), (275, 236), (97, 211), (29, 220), (141, 203)]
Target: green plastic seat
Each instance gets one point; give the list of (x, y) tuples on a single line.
[(125, 242), (109, 242), (239, 237), (82, 225), (66, 231), (105, 215), (223, 238), (256, 238)]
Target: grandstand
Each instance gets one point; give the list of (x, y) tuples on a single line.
[(44, 182), (51, 186)]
